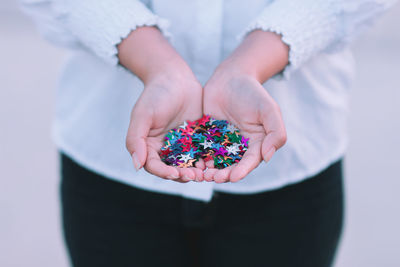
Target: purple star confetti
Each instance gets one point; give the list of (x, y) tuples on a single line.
[(206, 138)]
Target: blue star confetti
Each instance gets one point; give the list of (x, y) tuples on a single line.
[(206, 138)]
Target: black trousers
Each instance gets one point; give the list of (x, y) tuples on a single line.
[(107, 223)]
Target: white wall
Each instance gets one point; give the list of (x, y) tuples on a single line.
[(29, 207)]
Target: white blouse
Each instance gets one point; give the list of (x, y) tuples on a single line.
[(95, 95)]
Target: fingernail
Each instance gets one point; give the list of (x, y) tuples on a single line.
[(269, 154), (172, 176), (136, 162)]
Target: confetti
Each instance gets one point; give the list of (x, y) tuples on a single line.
[(206, 138)]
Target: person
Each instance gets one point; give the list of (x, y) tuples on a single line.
[(279, 70)]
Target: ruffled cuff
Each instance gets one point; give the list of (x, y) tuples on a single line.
[(305, 26), (101, 25), (309, 26)]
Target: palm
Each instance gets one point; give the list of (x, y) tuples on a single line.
[(247, 105), (158, 110)]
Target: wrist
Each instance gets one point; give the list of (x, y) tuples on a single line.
[(148, 55), (175, 78), (224, 77), (261, 55), (234, 67), (172, 68)]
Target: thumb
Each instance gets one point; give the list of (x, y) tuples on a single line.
[(272, 142), (138, 131), (275, 134)]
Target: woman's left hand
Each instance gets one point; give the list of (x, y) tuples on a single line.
[(243, 101), (235, 93)]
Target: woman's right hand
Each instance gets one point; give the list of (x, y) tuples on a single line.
[(171, 96)]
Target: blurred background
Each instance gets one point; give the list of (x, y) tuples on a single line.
[(30, 228)]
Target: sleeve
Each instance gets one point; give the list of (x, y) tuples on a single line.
[(96, 25), (310, 27)]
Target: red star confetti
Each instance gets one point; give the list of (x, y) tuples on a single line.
[(205, 138)]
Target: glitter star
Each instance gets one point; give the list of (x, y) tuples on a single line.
[(165, 152), (236, 145), (183, 165), (221, 151), (172, 156), (245, 141), (188, 131), (191, 123), (232, 150), (191, 162), (234, 138), (192, 152), (231, 128), (173, 139), (186, 148), (206, 144), (185, 157), (208, 158), (197, 136), (203, 120), (216, 146), (184, 125), (206, 138)]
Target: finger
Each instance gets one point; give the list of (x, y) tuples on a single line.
[(155, 166), (199, 175), (210, 164), (275, 132), (179, 180), (138, 131), (272, 142), (250, 160), (200, 164), (186, 174), (209, 174), (222, 175)]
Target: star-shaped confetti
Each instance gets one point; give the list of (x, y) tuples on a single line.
[(185, 157), (206, 138), (231, 128), (232, 149), (207, 144)]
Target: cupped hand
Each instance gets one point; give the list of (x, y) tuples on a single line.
[(243, 101), (235, 93), (166, 101), (171, 95)]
